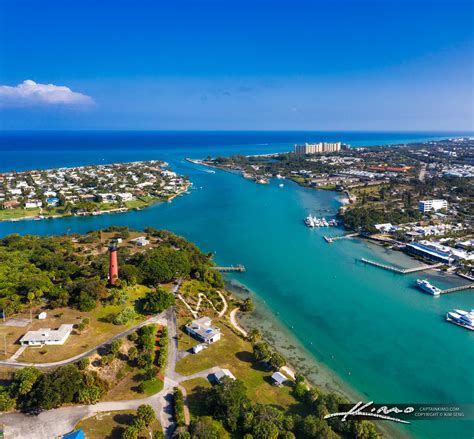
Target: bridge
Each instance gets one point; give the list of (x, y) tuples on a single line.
[(398, 269), (239, 268)]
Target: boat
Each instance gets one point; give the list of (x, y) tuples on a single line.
[(310, 221), (461, 318), (262, 181), (281, 185), (328, 239), (425, 286)]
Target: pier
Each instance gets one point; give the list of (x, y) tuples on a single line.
[(337, 238), (400, 270), (459, 288), (239, 268)]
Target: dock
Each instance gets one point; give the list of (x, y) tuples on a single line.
[(337, 238), (459, 288), (398, 269), (238, 268)]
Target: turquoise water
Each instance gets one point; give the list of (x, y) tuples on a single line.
[(378, 334)]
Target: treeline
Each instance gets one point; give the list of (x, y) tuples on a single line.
[(33, 390), (364, 218), (230, 412), (52, 270)]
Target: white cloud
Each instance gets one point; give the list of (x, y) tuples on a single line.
[(29, 93)]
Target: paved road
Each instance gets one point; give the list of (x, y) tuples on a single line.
[(57, 422), (158, 319)]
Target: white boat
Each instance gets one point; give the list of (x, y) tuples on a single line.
[(461, 318), (425, 286), (281, 185)]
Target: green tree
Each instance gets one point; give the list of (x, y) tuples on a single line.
[(156, 302), (228, 401), (205, 427), (146, 413), (276, 361), (24, 380), (261, 351)]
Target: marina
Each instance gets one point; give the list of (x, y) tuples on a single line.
[(312, 222)]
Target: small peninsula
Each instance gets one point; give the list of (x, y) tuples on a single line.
[(87, 190)]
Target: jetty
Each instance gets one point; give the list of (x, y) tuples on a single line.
[(398, 269), (337, 238), (238, 268), (458, 288)]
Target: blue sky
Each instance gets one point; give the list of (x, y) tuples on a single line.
[(209, 64)]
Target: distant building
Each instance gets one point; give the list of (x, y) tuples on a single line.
[(317, 148), (141, 241), (42, 315), (432, 205), (203, 331), (47, 336)]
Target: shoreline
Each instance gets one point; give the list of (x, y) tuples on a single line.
[(315, 371), (100, 212)]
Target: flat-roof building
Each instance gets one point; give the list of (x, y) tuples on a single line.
[(203, 331), (46, 336), (426, 206), (317, 148)]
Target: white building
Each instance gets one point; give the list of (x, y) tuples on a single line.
[(223, 373), (141, 241), (33, 204), (47, 336), (432, 205), (203, 331)]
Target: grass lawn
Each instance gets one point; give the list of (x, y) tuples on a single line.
[(127, 387), (7, 214), (98, 331), (194, 389), (110, 425), (235, 354)]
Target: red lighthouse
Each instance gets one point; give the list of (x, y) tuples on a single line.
[(113, 263)]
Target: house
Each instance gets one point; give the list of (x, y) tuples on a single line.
[(203, 331), (11, 204), (33, 204), (222, 373), (279, 379), (47, 336), (141, 241)]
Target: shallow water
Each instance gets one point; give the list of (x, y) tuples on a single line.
[(371, 328)]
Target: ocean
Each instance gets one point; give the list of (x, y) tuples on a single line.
[(348, 325)]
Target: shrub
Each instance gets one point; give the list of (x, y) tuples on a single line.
[(125, 316)]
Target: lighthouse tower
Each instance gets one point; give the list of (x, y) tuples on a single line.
[(113, 263)]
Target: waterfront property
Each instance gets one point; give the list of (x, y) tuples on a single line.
[(203, 331), (317, 148), (47, 336), (437, 252)]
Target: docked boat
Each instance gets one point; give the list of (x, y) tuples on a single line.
[(425, 286), (310, 221), (461, 318)]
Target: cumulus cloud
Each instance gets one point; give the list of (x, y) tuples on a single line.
[(30, 93)]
